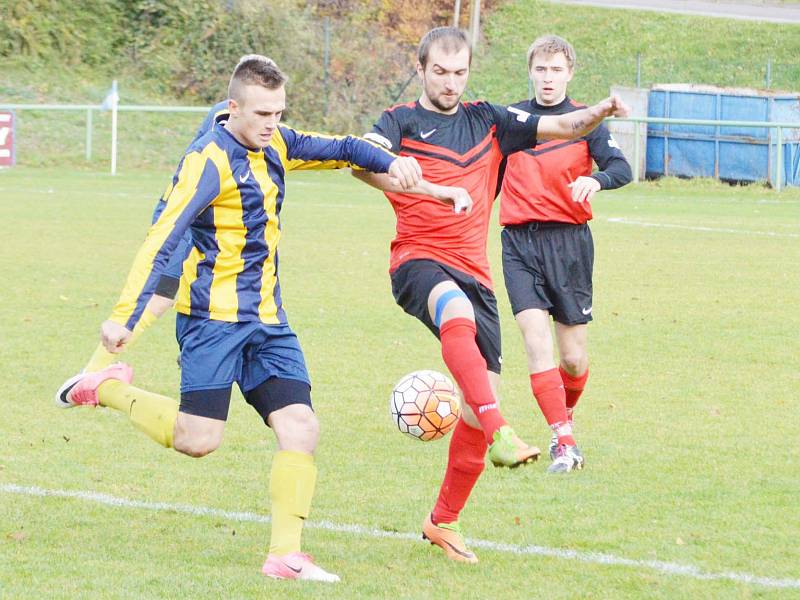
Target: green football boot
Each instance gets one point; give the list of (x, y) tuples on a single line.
[(507, 450)]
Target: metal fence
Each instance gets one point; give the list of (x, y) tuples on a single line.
[(637, 131), (779, 143)]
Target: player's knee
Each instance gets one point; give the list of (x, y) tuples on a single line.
[(195, 444), (451, 304), (307, 426), (296, 427), (574, 362)]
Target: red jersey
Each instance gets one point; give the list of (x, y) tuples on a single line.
[(464, 149), (536, 181)]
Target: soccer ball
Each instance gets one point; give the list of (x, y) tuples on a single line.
[(425, 405)]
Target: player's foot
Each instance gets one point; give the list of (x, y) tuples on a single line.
[(553, 447), (507, 450), (448, 537), (81, 390), (296, 565), (568, 458)]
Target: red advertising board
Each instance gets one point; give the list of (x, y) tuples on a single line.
[(6, 138)]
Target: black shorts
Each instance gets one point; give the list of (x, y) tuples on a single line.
[(267, 397), (549, 266), (412, 283)]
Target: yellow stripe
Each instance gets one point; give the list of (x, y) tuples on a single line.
[(177, 201), (230, 240), (183, 302), (267, 309), (167, 191)]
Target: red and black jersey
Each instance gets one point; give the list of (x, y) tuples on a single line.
[(535, 181), (465, 150)]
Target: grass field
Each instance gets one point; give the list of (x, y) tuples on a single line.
[(689, 423)]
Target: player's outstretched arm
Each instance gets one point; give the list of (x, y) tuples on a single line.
[(580, 122), (458, 197)]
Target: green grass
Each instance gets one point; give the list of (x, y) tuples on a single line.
[(689, 423), (674, 49)]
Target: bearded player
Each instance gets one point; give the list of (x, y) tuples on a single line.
[(438, 266)]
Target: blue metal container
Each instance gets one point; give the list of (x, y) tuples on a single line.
[(740, 154)]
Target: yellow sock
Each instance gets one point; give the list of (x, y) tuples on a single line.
[(101, 357), (154, 414), (291, 487)]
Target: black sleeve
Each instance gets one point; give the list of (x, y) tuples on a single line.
[(614, 168), (386, 132), (516, 128)]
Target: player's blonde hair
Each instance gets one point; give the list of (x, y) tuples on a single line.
[(551, 45), (255, 69)]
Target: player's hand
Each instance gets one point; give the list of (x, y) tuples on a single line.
[(613, 106), (462, 201), (583, 188), (114, 336), (405, 172)]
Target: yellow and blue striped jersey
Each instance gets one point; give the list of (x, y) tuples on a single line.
[(231, 197)]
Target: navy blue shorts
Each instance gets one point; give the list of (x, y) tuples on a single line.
[(217, 354)]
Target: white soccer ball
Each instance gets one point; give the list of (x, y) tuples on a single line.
[(425, 405)]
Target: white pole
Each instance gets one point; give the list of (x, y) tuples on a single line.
[(114, 105), (475, 23)]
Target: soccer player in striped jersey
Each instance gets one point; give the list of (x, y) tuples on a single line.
[(163, 297), (231, 325), (439, 269), (547, 246)]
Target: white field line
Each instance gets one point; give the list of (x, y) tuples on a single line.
[(667, 568), (85, 192), (624, 221)]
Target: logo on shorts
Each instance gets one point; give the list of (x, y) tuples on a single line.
[(587, 311), (245, 177)]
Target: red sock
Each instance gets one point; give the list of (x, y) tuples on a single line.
[(465, 464), (462, 356), (573, 386), (548, 389)]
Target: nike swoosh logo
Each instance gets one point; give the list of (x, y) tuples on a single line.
[(426, 134), (245, 177), (463, 553), (292, 568), (586, 311)]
